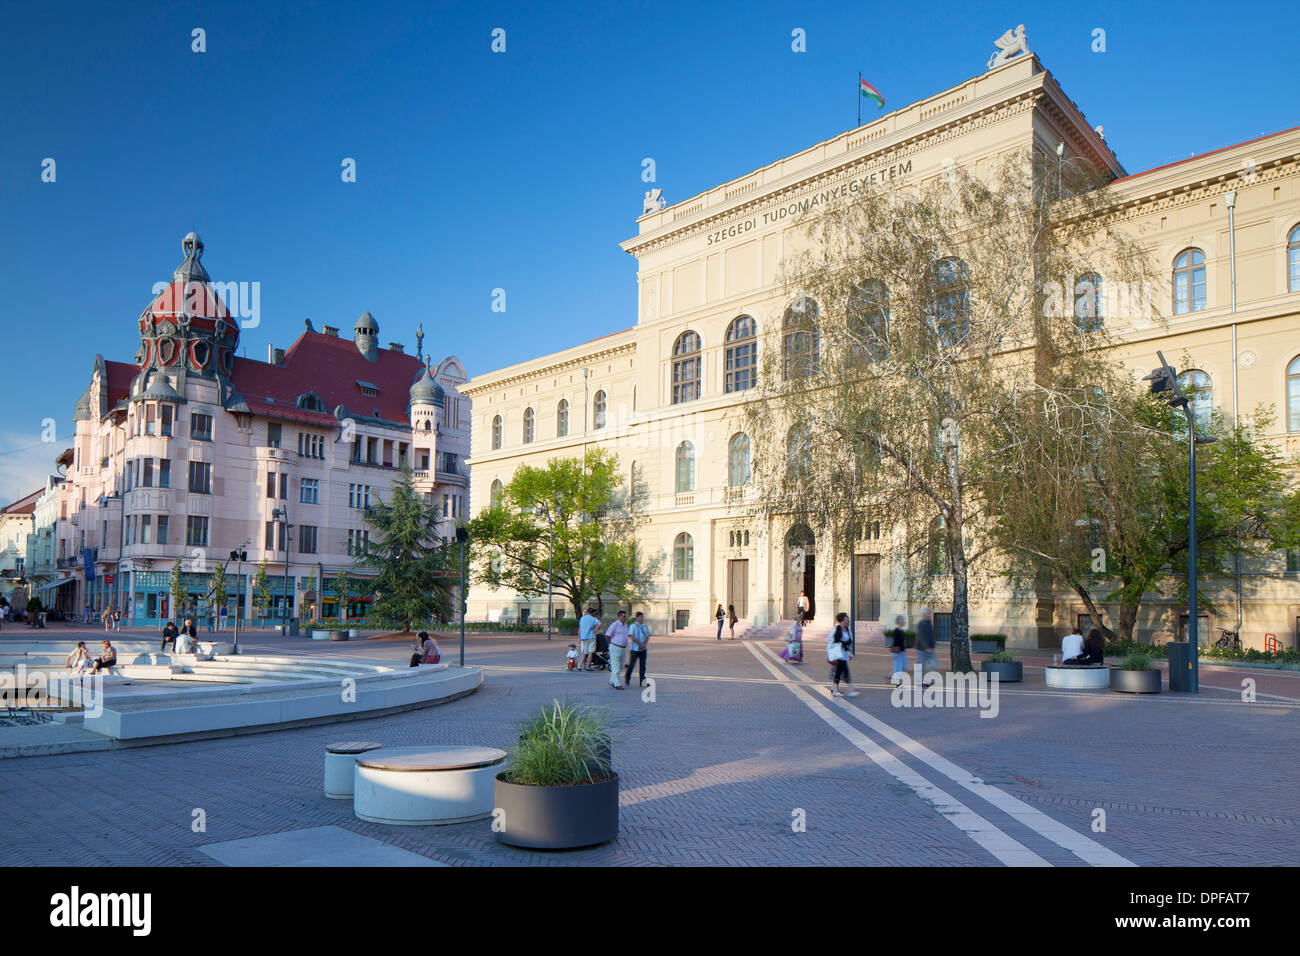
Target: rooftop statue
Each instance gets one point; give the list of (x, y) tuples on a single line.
[(653, 201), (1009, 44)]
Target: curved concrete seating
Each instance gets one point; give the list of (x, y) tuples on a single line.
[(340, 761), (1078, 676), (422, 786)]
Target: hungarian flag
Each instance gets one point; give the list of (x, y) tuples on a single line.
[(871, 93)]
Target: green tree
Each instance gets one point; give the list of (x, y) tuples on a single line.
[(595, 553), (341, 590), (262, 591), (414, 580), (218, 591), (178, 592), (921, 318)]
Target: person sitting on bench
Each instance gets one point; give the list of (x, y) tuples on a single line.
[(1093, 652), (1071, 645), (106, 659), (169, 636)]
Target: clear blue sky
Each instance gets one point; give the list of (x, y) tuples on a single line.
[(478, 170)]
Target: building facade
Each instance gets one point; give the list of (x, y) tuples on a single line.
[(665, 394), (190, 452)]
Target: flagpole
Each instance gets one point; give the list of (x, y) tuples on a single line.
[(859, 97)]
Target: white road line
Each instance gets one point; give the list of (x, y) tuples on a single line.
[(997, 842), (1086, 849)]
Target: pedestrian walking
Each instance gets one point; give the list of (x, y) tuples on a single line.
[(721, 616), (925, 641), (898, 648), (731, 620), (638, 639), (588, 625), (793, 651), (117, 619), (618, 640), (839, 651), (107, 618), (804, 606)]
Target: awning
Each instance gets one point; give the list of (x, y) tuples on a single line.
[(54, 584)]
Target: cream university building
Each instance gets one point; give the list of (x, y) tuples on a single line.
[(665, 395)]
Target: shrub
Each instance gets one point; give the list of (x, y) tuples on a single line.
[(1136, 661), (564, 746), (999, 639), (566, 623), (1002, 657)]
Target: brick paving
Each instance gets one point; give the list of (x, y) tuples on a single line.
[(712, 771)]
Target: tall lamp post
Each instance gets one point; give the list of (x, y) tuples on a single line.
[(462, 535), (544, 510), (1165, 380), (282, 515), (239, 556)]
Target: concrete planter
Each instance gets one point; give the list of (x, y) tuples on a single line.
[(985, 647), (338, 635), (353, 633), (1135, 682), (557, 818), (1008, 673), (319, 635)]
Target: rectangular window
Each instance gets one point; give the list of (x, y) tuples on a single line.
[(270, 484), (309, 491), (165, 420), (352, 496), (147, 477), (196, 531), (272, 434), (130, 471), (164, 472), (163, 522), (201, 477), (307, 539), (351, 542), (150, 414), (201, 427), (446, 506), (365, 503), (1293, 559), (270, 535), (146, 529)]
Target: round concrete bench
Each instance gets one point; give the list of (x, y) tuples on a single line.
[(1078, 676), (340, 760), (420, 786)]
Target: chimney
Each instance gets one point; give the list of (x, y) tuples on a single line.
[(396, 346), (277, 357), (331, 330)]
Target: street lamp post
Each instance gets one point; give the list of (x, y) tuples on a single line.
[(1165, 379), (239, 556), (282, 515), (545, 509), (462, 535)]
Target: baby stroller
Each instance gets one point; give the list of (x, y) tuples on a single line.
[(600, 658)]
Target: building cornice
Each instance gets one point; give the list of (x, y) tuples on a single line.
[(521, 373)]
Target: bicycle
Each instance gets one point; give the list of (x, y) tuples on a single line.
[(1228, 640)]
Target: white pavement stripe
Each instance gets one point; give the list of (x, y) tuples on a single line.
[(1088, 850), (1005, 848)]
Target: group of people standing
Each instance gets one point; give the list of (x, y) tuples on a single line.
[(628, 644), (840, 648), (728, 616)]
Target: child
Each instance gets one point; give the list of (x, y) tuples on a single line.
[(571, 658), (793, 653)]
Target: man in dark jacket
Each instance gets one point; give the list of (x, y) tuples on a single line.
[(925, 641), (169, 636)]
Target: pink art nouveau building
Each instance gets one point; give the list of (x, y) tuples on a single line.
[(191, 452)]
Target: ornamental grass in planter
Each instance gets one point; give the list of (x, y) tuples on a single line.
[(987, 643), (1135, 675), (560, 790), (1005, 665)]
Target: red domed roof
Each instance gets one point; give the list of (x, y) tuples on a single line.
[(187, 305)]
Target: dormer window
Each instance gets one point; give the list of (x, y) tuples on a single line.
[(368, 389), (311, 402)]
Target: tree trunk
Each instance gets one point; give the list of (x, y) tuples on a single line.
[(1128, 612), (959, 647), (1094, 610)]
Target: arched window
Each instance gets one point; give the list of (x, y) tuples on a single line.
[(528, 426), (686, 368), (1293, 260), (800, 343), (938, 557), (497, 492), (1088, 314), (428, 425), (1189, 281), (741, 360), (636, 485), (562, 418), (684, 558), (1293, 395), (869, 320), (798, 443), (685, 467), (496, 433), (951, 319), (598, 410), (1196, 386), (738, 460)]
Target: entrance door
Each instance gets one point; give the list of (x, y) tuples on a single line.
[(800, 571), (738, 586), (867, 600)]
